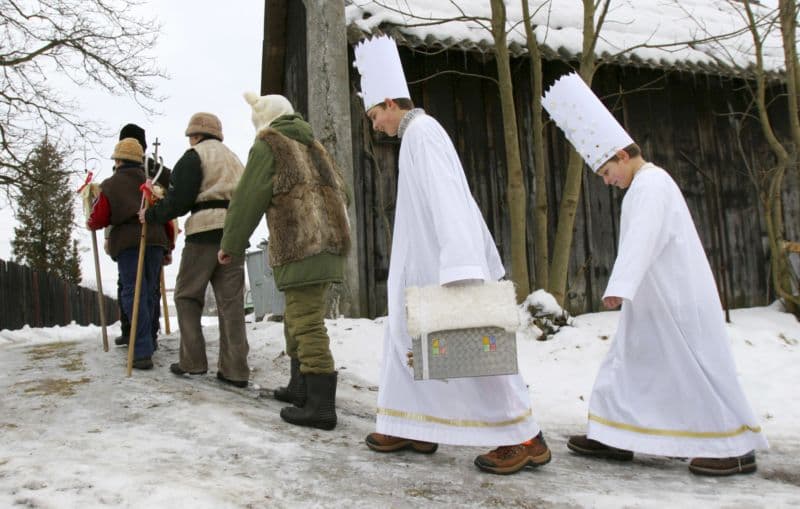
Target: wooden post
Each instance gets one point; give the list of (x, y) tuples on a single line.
[(329, 115), (166, 304), (137, 290), (100, 296)]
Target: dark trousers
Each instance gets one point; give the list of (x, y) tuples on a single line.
[(127, 261), (125, 322)]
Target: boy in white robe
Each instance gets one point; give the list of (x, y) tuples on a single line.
[(439, 237), (668, 385)]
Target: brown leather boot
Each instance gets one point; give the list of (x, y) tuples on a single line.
[(387, 443), (509, 459), (587, 447), (745, 464)]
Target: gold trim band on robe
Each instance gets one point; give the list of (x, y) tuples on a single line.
[(461, 423), (676, 433)]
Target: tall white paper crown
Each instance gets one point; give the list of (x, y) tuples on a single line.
[(382, 77), (587, 124)]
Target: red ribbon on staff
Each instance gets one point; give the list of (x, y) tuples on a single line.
[(85, 182), (147, 190)]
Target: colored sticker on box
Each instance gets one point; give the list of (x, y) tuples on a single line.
[(438, 347)]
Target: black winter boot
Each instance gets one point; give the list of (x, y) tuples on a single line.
[(320, 408), (295, 392)]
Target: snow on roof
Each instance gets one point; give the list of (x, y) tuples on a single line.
[(651, 33)]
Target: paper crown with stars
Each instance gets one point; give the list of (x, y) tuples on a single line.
[(382, 76), (585, 121)]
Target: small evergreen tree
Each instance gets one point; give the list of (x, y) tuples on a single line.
[(43, 240), (74, 265)]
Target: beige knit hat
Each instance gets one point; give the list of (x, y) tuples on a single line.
[(128, 149), (205, 123)]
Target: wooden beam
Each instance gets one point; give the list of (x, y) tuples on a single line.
[(273, 51)]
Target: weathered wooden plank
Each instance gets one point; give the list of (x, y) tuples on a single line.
[(680, 120)]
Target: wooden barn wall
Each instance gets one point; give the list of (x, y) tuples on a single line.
[(295, 86), (681, 120)]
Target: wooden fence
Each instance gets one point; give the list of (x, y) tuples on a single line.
[(39, 299)]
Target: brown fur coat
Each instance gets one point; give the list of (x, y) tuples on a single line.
[(308, 213)]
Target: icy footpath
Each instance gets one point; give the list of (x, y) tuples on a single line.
[(77, 433)]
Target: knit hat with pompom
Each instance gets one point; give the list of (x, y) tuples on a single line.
[(267, 108)]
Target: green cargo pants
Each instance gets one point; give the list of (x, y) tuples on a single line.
[(304, 328)]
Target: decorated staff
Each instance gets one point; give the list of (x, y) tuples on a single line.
[(159, 168), (89, 192), (139, 252), (668, 385)]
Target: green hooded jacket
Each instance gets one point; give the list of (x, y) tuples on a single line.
[(253, 197)]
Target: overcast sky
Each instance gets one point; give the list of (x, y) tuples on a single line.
[(212, 53)]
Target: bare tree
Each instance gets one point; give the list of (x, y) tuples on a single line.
[(786, 153), (91, 43), (540, 244), (562, 247), (515, 192)]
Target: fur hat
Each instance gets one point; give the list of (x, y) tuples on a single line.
[(133, 131), (205, 123), (128, 149), (267, 108)]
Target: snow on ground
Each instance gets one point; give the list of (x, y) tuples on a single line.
[(77, 433)]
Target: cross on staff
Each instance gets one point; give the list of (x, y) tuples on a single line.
[(165, 313)]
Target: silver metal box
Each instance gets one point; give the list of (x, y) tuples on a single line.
[(460, 353)]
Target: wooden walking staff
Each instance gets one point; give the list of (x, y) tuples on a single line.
[(137, 288), (164, 300), (86, 192), (100, 295)]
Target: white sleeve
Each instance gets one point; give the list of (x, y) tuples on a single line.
[(440, 179), (645, 232)]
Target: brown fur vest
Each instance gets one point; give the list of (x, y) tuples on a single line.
[(308, 214)]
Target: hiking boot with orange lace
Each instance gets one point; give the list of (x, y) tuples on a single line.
[(509, 459), (387, 443), (745, 464), (585, 446)]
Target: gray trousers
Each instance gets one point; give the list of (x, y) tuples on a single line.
[(199, 267)]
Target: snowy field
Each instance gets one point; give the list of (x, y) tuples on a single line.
[(77, 433)]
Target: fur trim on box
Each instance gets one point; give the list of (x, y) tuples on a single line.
[(435, 308)]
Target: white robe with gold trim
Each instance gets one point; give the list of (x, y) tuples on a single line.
[(668, 385), (439, 237)]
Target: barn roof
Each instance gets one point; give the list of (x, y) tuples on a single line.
[(704, 36)]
